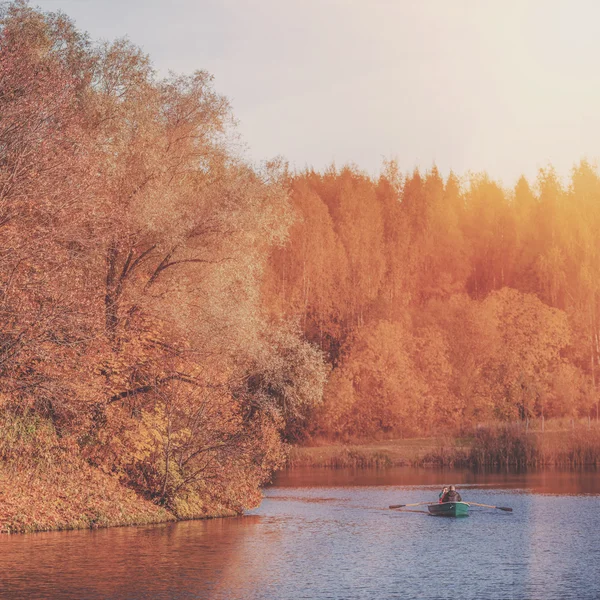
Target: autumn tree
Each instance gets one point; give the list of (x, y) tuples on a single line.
[(531, 338), (490, 229), (46, 183), (444, 256), (307, 279), (390, 382), (135, 239)]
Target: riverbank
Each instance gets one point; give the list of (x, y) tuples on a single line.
[(77, 497), (46, 485), (494, 447), (65, 495), (71, 494), (57, 499), (382, 454)]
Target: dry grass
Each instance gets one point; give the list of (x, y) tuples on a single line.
[(515, 446), (563, 443), (69, 498), (45, 485), (381, 454)]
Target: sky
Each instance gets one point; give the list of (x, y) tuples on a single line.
[(503, 86)]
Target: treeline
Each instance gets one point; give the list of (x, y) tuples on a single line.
[(443, 304), (134, 239)]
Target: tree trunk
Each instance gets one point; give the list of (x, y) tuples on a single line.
[(111, 296)]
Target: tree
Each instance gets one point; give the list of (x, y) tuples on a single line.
[(531, 339), (307, 278), (384, 385), (46, 178), (134, 244), (285, 378), (490, 229)]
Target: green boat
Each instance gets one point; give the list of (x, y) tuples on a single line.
[(449, 509)]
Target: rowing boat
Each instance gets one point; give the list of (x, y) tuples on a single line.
[(449, 509)]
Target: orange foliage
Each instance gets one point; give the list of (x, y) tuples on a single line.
[(452, 305), (134, 240), (166, 308)]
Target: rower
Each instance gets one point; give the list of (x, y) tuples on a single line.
[(451, 495)]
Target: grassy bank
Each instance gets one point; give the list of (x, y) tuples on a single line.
[(499, 446), (46, 485), (516, 447), (33, 500), (382, 454), (77, 497)]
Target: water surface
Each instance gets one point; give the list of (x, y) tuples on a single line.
[(329, 534)]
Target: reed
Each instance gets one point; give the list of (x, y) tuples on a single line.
[(572, 444), (504, 446), (578, 448), (449, 453), (515, 446)]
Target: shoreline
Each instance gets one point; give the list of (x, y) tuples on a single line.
[(407, 452), (510, 446), (59, 497), (56, 498), (34, 501)]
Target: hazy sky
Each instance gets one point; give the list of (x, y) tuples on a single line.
[(505, 86)]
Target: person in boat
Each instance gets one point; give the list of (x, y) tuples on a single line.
[(451, 495), (442, 494)]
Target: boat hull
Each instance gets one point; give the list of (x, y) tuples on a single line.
[(449, 509)]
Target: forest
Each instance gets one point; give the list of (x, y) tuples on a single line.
[(443, 304), (173, 316)]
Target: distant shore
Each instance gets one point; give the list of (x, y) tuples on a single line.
[(379, 454), (509, 446)]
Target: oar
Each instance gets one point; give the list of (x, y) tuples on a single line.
[(415, 504), (506, 508)]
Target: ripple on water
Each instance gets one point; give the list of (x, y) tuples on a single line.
[(335, 541)]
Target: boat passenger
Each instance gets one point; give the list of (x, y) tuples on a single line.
[(442, 494), (451, 495)]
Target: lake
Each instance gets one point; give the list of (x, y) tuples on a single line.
[(323, 534)]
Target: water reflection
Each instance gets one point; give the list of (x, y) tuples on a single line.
[(329, 534), (182, 560), (551, 481)]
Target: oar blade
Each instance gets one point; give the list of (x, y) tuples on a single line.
[(397, 505), (506, 508)]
